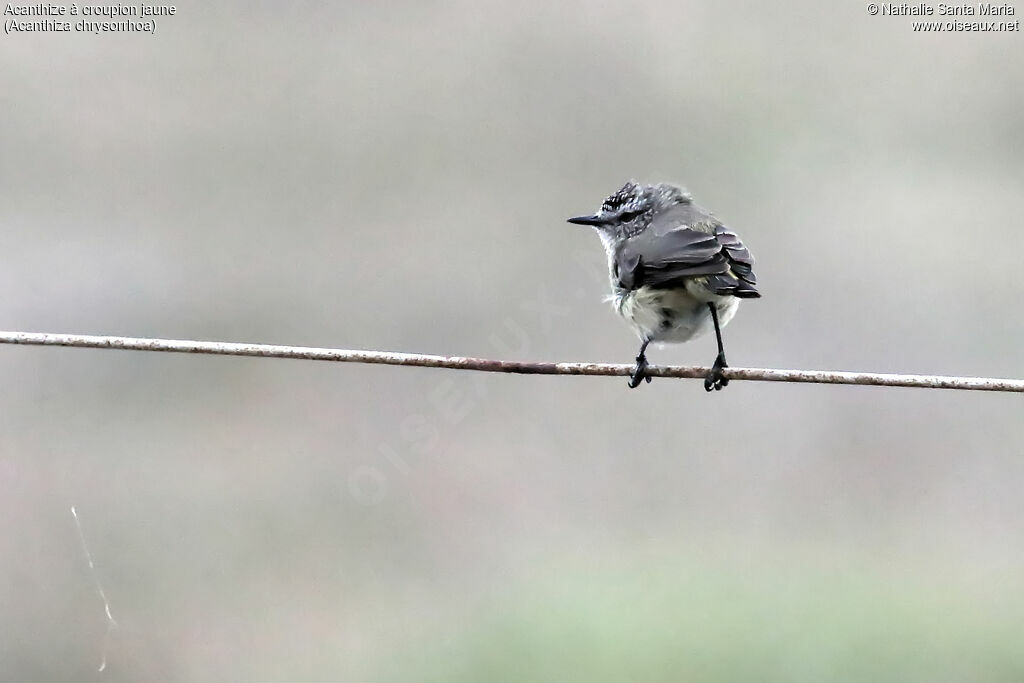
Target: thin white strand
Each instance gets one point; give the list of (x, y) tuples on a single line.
[(111, 623)]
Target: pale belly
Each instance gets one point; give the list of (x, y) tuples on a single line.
[(673, 315)]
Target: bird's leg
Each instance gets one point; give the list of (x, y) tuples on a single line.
[(715, 380), (638, 374)]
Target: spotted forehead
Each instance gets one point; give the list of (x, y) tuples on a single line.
[(628, 193)]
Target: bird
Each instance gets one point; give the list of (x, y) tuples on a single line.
[(676, 271)]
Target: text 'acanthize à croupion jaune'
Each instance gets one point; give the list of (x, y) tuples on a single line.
[(119, 18)]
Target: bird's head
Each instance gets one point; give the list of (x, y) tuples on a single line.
[(631, 209)]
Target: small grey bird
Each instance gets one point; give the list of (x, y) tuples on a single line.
[(676, 272)]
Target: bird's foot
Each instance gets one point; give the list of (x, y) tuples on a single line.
[(639, 372), (714, 380)]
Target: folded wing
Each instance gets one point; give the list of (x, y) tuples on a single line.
[(668, 259)]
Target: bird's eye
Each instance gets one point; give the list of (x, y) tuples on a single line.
[(627, 216)]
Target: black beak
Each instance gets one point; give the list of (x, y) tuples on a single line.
[(587, 220)]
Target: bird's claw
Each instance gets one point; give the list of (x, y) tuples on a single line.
[(639, 374), (714, 380)]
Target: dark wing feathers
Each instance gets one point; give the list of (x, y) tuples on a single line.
[(668, 259), (741, 263)]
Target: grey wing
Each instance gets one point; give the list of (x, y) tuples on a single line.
[(672, 257), (740, 280)]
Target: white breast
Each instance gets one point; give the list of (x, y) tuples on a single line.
[(672, 315)]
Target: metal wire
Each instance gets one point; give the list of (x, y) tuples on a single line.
[(488, 365)]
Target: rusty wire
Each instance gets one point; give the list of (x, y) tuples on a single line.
[(516, 367)]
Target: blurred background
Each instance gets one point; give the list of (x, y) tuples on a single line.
[(397, 176)]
